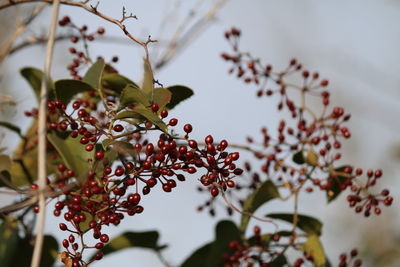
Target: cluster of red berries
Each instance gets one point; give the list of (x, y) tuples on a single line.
[(313, 141), (350, 259), (81, 56), (114, 189)]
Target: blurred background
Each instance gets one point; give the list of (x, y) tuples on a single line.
[(355, 44)]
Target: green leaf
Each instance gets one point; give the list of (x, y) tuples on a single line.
[(5, 179), (116, 82), (94, 74), (131, 94), (143, 113), (298, 157), (11, 127), (34, 77), (25, 250), (73, 154), (148, 79), (127, 240), (306, 223), (8, 240), (314, 247), (122, 147), (211, 253), (264, 193), (199, 257), (335, 181), (66, 89), (179, 94), (5, 163), (162, 97), (311, 158), (278, 261)]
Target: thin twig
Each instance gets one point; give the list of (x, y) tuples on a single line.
[(42, 130), (20, 29)]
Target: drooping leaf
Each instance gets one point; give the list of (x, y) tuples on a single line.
[(131, 94), (68, 88), (73, 154), (34, 77), (116, 82), (298, 157), (211, 254), (128, 240), (8, 240), (264, 193), (335, 182), (161, 96), (314, 247), (11, 127), (24, 253), (143, 113), (179, 94), (311, 158), (148, 79), (94, 74), (306, 223)]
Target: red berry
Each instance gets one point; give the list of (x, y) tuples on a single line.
[(119, 171), (187, 128), (118, 128), (173, 122), (104, 238), (99, 154)]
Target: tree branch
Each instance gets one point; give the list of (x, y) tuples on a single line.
[(42, 132)]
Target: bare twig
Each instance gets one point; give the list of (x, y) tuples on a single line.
[(20, 29), (42, 132), (181, 38)]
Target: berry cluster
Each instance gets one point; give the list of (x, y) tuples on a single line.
[(307, 150), (121, 172), (81, 56)]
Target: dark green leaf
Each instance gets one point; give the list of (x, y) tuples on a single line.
[(143, 113), (335, 181), (25, 250), (5, 179), (298, 157), (8, 240), (148, 79), (226, 231), (211, 253), (131, 94), (11, 127), (179, 94), (314, 247), (306, 223), (116, 82), (34, 77), (264, 193), (126, 240), (73, 154), (199, 257), (279, 261), (161, 96), (68, 88), (94, 74)]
